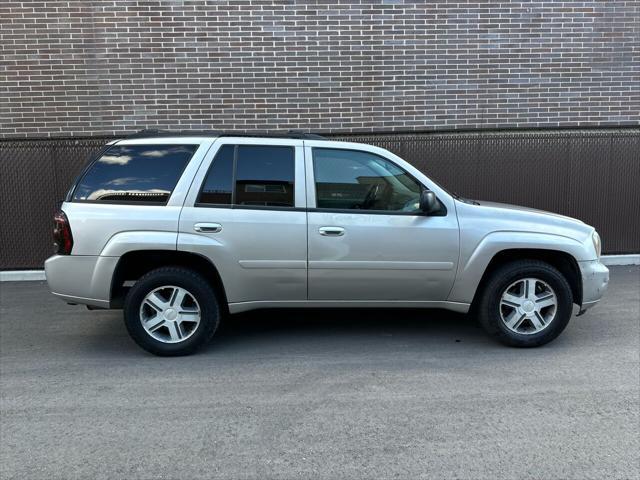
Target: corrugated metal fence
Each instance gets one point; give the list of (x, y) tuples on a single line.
[(592, 175)]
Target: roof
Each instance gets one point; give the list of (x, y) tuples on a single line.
[(295, 134)]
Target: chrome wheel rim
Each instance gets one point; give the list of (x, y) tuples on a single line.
[(528, 306), (170, 314)]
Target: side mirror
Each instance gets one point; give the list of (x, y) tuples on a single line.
[(428, 202)]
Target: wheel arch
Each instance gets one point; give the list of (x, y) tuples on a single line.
[(133, 264), (564, 262)]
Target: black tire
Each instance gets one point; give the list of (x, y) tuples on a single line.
[(488, 307), (197, 286)]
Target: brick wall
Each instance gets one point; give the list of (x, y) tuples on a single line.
[(101, 67)]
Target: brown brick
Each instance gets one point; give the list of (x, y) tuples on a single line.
[(80, 68)]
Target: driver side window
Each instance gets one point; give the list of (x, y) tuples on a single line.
[(355, 180)]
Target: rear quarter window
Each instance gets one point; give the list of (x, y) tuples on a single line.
[(134, 174)]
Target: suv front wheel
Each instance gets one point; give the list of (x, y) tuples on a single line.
[(171, 311), (526, 303)]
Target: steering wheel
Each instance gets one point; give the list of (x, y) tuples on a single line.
[(370, 197), (412, 205)]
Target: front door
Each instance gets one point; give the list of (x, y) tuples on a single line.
[(368, 239)]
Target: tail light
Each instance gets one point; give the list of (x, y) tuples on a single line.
[(62, 238)]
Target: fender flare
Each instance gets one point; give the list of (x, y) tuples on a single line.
[(124, 242), (473, 265)]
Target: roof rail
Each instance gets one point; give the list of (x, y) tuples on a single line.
[(294, 134)]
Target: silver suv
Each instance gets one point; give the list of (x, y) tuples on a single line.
[(181, 229)]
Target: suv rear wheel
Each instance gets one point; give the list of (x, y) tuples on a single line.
[(171, 311), (526, 304)]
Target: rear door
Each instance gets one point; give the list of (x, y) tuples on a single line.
[(368, 239), (245, 211)]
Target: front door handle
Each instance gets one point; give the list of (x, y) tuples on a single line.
[(207, 227), (331, 231)]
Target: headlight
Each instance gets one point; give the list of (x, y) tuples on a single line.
[(597, 244)]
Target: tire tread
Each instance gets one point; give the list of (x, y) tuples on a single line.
[(491, 321), (151, 345)]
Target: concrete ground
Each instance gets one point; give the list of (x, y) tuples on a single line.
[(323, 394)]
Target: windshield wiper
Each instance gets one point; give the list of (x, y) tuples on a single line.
[(470, 201)]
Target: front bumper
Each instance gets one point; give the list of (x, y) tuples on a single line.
[(595, 281)]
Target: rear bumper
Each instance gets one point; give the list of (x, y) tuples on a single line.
[(595, 281), (81, 279)]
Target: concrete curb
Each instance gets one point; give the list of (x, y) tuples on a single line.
[(38, 275), (621, 259), (21, 275)]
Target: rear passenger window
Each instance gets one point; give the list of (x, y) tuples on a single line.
[(134, 173), (261, 175), (264, 176)]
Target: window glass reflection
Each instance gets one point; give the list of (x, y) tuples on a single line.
[(135, 173), (354, 180)]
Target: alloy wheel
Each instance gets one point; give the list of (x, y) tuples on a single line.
[(170, 314), (528, 306)]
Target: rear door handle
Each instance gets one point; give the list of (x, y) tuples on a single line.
[(331, 231), (207, 227)]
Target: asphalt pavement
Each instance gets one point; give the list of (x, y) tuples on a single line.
[(319, 394)]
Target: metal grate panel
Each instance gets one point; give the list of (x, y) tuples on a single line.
[(587, 174)]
